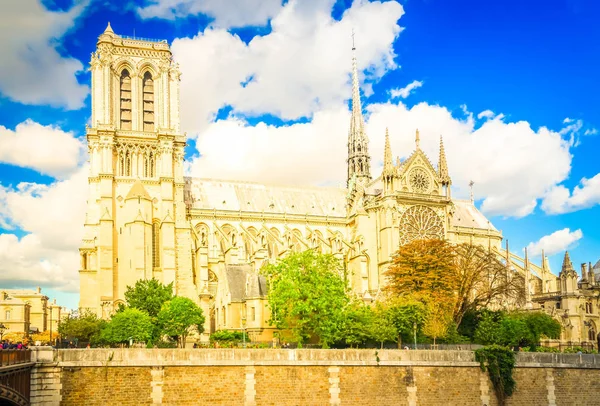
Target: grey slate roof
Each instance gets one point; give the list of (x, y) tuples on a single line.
[(244, 283)]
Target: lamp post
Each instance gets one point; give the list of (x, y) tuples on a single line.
[(3, 329), (244, 331), (415, 333)]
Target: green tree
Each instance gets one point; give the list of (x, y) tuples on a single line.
[(179, 316), (488, 328), (540, 325), (129, 324), (86, 327), (148, 295), (357, 319), (381, 327), (437, 322), (405, 313), (307, 296)]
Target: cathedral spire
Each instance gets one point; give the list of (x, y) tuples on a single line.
[(443, 166), (417, 139), (567, 265), (359, 161), (388, 163)]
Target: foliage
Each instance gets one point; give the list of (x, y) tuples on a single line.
[(522, 329), (405, 312), (499, 362), (546, 349), (178, 316), (165, 344), (424, 269), (228, 336), (437, 322), (577, 350), (307, 296), (483, 281), (469, 323), (86, 327), (16, 337), (357, 319), (44, 337), (148, 295), (129, 324), (381, 327)]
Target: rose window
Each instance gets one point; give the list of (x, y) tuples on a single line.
[(420, 223), (419, 180)]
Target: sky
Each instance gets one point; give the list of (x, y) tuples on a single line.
[(512, 86)]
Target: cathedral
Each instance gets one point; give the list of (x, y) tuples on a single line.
[(210, 237)]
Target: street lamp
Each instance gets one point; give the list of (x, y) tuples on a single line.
[(3, 329), (415, 333), (244, 331)]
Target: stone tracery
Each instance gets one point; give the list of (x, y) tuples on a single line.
[(420, 223)]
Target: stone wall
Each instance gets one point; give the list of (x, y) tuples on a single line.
[(302, 377)]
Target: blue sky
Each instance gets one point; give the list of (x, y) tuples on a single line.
[(512, 86)]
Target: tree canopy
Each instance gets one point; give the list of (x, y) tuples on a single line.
[(85, 327), (129, 324), (179, 316), (308, 296), (523, 329), (148, 295)]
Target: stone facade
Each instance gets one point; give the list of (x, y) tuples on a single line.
[(302, 377), (25, 310), (210, 237)]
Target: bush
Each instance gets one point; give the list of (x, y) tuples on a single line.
[(575, 350), (499, 362), (229, 336)]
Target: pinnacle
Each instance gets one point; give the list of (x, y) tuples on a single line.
[(388, 164), (443, 165), (108, 29), (567, 264)]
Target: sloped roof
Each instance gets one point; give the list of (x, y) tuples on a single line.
[(467, 215), (254, 197), (243, 283)]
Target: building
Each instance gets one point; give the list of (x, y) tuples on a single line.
[(210, 237), (14, 313), (575, 302)]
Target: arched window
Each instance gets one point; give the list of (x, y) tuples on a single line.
[(125, 100), (148, 100), (7, 315), (156, 244)]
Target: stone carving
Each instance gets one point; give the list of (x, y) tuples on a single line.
[(420, 223), (420, 181)]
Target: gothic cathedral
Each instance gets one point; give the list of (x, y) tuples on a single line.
[(210, 237)]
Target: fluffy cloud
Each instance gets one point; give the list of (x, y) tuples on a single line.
[(556, 242), (52, 217), (512, 165), (300, 67), (560, 200), (404, 92), (231, 13), (31, 69), (56, 153)]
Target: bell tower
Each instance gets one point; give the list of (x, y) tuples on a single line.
[(135, 224)]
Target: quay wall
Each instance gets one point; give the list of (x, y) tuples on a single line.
[(302, 377)]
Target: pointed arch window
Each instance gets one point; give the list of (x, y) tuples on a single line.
[(148, 100), (125, 107)]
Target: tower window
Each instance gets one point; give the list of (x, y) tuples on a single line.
[(125, 100), (148, 100)]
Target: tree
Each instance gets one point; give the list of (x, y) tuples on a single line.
[(437, 322), (516, 328), (483, 280), (406, 313), (86, 327), (426, 270), (44, 337), (381, 326), (357, 319), (307, 296), (178, 316), (539, 325), (127, 325), (148, 295)]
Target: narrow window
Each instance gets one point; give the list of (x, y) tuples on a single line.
[(156, 245), (148, 100), (253, 313), (125, 100), (7, 315)]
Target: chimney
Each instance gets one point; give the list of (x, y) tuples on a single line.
[(39, 290)]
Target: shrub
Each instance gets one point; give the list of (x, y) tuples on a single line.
[(499, 362)]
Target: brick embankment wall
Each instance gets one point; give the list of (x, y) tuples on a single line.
[(302, 377)]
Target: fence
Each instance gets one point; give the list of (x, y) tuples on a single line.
[(12, 357)]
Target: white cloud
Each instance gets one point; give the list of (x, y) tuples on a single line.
[(226, 13), (404, 92), (47, 149), (513, 166), (486, 114), (560, 200), (53, 217), (300, 67), (31, 69), (558, 241)]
